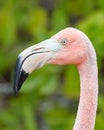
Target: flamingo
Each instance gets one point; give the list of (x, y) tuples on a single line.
[(69, 46)]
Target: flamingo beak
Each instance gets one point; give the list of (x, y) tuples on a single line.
[(34, 58)]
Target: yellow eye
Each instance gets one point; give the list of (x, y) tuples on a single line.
[(64, 41)]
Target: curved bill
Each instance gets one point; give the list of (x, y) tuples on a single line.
[(34, 58)]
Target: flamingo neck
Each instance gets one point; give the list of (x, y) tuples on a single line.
[(86, 113)]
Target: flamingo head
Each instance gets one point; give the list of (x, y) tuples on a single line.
[(66, 47)]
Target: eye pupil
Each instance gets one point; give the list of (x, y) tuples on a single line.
[(64, 41)]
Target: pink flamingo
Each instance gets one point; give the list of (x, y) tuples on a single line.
[(69, 46)]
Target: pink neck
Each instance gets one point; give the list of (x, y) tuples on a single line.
[(86, 114)]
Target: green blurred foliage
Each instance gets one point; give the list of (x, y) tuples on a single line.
[(49, 97)]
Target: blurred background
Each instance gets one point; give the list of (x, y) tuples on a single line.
[(49, 98)]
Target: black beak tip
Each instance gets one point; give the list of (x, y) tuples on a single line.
[(19, 78), (15, 89), (20, 75)]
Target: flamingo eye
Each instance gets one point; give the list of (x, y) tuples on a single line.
[(64, 41)]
